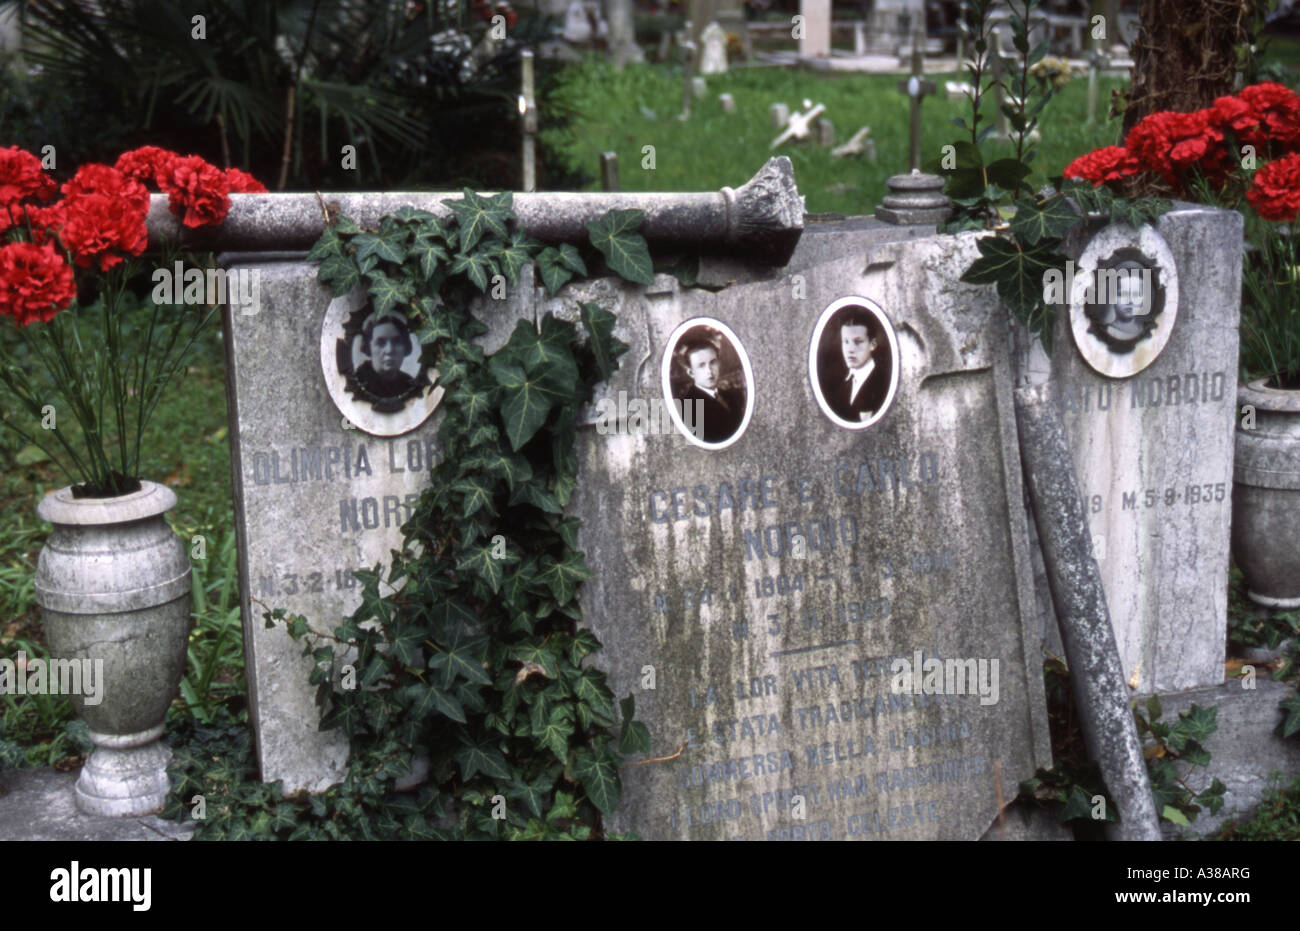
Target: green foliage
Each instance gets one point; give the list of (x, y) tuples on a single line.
[(1070, 786), (1165, 745), (1276, 818), (468, 653), (624, 111)]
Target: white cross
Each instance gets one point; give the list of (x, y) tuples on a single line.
[(799, 125)]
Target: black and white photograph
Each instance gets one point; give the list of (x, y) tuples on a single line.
[(852, 362), (1123, 300), (708, 380), (379, 356)]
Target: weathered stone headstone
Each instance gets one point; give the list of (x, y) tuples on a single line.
[(753, 597), (322, 483), (713, 54), (780, 114), (727, 102), (815, 41), (330, 444), (1146, 378)]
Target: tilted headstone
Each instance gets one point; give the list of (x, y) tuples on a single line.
[(577, 24), (1145, 371), (753, 587)]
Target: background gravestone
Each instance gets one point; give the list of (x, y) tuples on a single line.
[(771, 670), (1154, 457)]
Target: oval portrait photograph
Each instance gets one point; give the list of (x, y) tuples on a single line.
[(852, 362), (1123, 300), (708, 383), (372, 367)]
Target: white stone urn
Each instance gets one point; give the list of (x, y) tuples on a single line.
[(1266, 494), (113, 584)]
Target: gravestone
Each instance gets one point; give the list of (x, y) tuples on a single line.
[(815, 40), (322, 484), (1145, 374), (330, 446), (713, 54), (753, 592)]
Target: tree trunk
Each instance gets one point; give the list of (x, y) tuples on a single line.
[(1185, 54)]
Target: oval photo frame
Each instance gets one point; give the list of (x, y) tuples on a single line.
[(725, 413), (1114, 247), (336, 341), (830, 372)]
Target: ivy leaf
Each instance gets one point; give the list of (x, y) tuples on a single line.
[(389, 248), (564, 576), (430, 253), (554, 274), (1170, 813), (599, 324), (514, 469), (1078, 804), (515, 254), (1291, 705), (427, 699), (478, 266), (1212, 798), (477, 215), (1194, 725), (598, 774), (484, 757), (462, 657), (1008, 173), (387, 293), (634, 738), (563, 808), (341, 273), (1033, 223), (527, 401), (477, 495), (408, 214), (480, 562), (589, 688), (532, 794), (328, 245), (624, 249), (405, 642), (1018, 272), (535, 493), (555, 731)]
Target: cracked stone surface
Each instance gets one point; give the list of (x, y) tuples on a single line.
[(37, 804)]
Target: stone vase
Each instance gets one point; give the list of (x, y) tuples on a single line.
[(1266, 494), (113, 584)]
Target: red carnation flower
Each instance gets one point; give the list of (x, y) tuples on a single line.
[(241, 182), (1174, 143), (102, 215), (148, 163), (1275, 191), (1278, 111), (1108, 164), (35, 282), (196, 191), (21, 177)]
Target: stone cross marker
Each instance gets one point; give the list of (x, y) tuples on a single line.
[(1145, 371), (916, 87), (713, 53), (753, 588)]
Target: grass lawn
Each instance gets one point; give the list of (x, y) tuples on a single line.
[(714, 149)]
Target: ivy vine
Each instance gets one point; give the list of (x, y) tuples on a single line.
[(472, 657)]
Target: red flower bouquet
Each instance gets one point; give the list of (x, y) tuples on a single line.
[(1241, 153), (89, 241)]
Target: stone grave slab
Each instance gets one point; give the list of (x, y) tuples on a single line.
[(1148, 400), (764, 581), (327, 466)]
